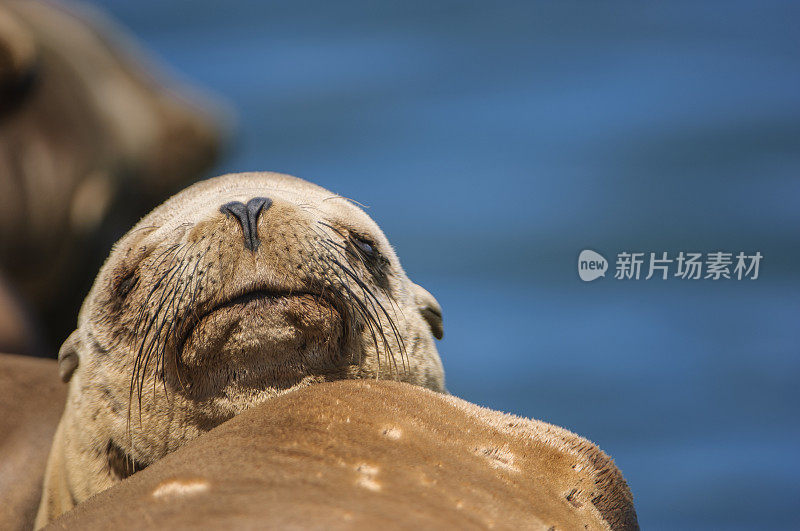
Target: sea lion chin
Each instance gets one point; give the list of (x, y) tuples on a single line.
[(240, 335), (234, 291)]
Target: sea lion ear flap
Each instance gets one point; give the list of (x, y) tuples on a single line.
[(430, 310), (68, 357)]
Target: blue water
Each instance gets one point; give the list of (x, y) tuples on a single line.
[(494, 141)]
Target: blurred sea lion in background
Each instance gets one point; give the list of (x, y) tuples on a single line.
[(91, 138), (18, 332)]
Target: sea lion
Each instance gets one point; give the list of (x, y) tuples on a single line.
[(234, 291), (92, 137), (371, 455), (31, 402), (18, 333)]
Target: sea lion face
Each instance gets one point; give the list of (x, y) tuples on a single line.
[(234, 291)]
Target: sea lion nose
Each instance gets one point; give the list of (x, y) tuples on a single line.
[(247, 216)]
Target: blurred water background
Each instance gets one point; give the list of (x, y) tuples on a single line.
[(493, 141)]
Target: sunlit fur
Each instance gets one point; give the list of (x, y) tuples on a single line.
[(185, 327)]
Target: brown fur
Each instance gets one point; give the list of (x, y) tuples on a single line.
[(371, 455), (31, 401), (185, 327), (90, 139), (17, 331)]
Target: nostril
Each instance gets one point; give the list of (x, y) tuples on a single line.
[(257, 205), (247, 216)]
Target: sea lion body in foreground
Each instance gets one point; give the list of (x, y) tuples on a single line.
[(232, 292), (371, 455), (31, 402)]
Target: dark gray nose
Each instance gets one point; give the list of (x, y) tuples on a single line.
[(247, 216)]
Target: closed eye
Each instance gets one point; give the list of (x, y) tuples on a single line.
[(367, 250), (366, 247), (125, 284)]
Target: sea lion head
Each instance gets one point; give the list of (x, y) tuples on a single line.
[(236, 290)]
